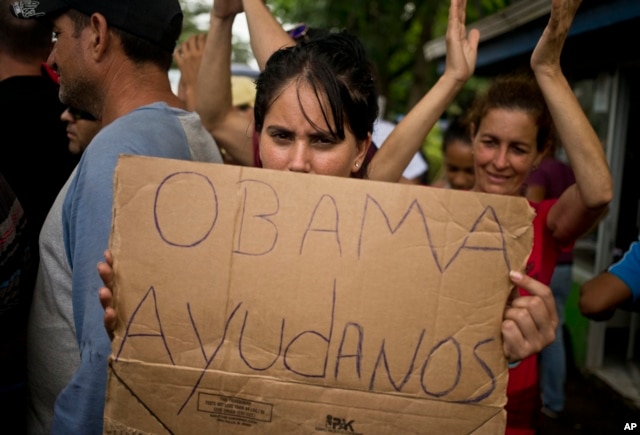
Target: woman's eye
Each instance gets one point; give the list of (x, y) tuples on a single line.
[(54, 36), (323, 141), (280, 136), (520, 150)]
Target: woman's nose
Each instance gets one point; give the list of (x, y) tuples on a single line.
[(300, 157)]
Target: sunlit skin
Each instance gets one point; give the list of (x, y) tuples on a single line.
[(289, 142), (504, 147), (245, 112), (79, 131), (458, 165)]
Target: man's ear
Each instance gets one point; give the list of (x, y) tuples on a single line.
[(100, 35)]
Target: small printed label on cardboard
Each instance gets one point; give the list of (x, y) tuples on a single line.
[(234, 409)]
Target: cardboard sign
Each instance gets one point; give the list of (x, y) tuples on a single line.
[(256, 301)]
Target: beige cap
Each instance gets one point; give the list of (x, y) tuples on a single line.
[(243, 91)]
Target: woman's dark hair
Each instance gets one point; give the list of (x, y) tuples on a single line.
[(457, 130), (336, 68), (518, 91)]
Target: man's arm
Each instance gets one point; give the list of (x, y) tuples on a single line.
[(618, 287), (602, 295)]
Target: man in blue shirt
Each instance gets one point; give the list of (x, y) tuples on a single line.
[(618, 287), (112, 58)]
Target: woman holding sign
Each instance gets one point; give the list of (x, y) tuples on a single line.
[(315, 122), (511, 127)]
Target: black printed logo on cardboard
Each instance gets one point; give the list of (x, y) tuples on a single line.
[(339, 425)]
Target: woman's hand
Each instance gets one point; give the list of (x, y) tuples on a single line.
[(462, 49), (105, 270), (546, 55), (227, 8), (530, 321)]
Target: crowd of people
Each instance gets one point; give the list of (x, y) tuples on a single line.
[(35, 164), (313, 109)]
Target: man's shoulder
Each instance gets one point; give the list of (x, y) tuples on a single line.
[(156, 111), (145, 120), (630, 258), (157, 130)]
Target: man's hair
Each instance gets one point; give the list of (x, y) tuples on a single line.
[(137, 49), (26, 40)]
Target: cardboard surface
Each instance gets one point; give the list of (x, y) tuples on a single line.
[(256, 301)]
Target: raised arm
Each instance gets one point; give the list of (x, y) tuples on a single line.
[(407, 137), (265, 32), (229, 128), (583, 203)]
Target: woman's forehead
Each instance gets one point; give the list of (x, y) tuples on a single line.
[(299, 98)]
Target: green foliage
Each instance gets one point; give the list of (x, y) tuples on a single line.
[(392, 31), (192, 9)]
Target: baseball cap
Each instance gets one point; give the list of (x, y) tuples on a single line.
[(157, 21), (243, 91)]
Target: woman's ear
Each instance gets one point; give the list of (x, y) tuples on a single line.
[(537, 160), (361, 154), (548, 150)]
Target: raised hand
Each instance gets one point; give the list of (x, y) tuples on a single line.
[(462, 49), (549, 47), (188, 57), (226, 8)]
